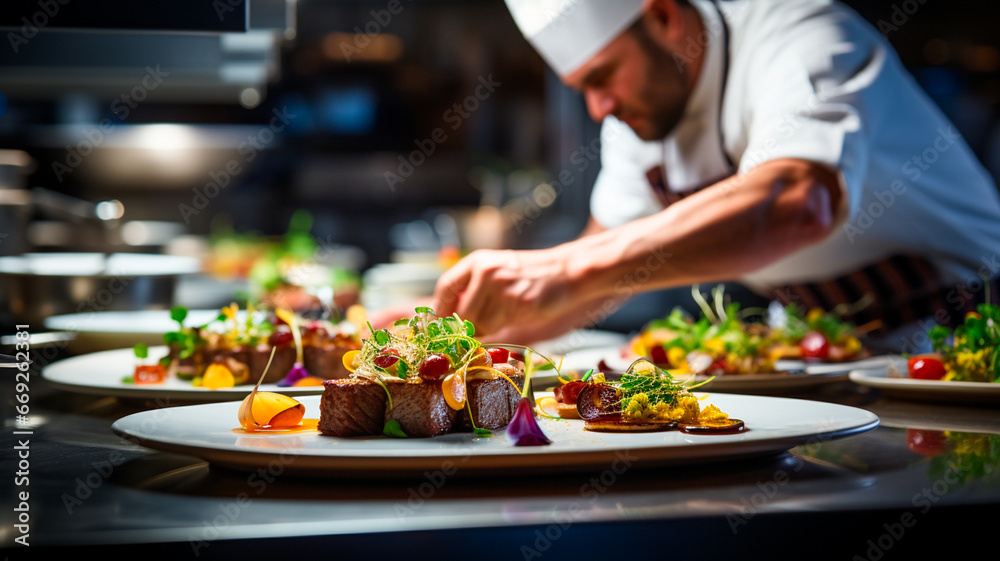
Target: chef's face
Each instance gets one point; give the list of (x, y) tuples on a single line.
[(637, 80)]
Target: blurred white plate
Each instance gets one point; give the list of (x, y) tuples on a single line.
[(102, 373), (212, 432), (101, 331), (892, 384), (98, 264)]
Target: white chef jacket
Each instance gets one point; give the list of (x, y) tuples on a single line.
[(811, 79)]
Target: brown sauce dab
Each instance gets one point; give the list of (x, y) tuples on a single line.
[(735, 426), (615, 423)]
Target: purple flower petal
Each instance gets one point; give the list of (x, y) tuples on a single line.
[(297, 373), (523, 429)]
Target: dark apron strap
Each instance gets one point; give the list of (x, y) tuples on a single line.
[(900, 290), (658, 183)]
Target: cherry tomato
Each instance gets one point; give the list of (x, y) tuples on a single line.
[(150, 374), (498, 355), (929, 442), (434, 366), (814, 345), (280, 338), (388, 357), (926, 367)]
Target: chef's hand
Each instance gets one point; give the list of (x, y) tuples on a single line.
[(495, 289)]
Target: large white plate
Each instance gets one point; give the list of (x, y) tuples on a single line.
[(211, 432), (102, 373), (792, 375), (892, 385), (101, 331)]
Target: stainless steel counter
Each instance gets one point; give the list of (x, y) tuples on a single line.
[(877, 495)]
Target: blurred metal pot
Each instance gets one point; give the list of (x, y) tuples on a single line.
[(36, 286), (15, 201), (15, 166)]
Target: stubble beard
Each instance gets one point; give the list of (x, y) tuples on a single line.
[(666, 93)]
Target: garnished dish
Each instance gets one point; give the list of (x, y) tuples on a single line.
[(718, 343), (817, 335), (652, 416), (969, 354), (232, 350), (722, 342), (964, 365), (427, 376), (645, 398), (212, 432), (282, 273)]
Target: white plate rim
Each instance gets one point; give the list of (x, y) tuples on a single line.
[(706, 448), (68, 373), (878, 378), (131, 321)]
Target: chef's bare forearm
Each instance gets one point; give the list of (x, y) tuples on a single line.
[(592, 227), (720, 233)]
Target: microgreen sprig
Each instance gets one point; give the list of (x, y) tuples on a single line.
[(643, 376)]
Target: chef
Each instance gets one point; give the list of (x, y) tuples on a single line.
[(777, 143)]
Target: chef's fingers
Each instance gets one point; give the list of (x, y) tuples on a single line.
[(450, 286), (477, 304)]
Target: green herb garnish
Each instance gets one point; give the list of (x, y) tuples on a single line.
[(972, 352), (178, 314), (393, 429)]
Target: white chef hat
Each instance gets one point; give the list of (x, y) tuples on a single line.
[(567, 33)]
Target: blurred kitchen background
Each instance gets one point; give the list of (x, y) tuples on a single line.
[(390, 131)]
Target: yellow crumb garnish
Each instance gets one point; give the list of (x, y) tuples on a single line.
[(712, 415), (685, 409), (638, 408)]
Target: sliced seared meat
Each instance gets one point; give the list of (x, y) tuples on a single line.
[(352, 407), (360, 407), (326, 361), (284, 359), (420, 408), (492, 401)]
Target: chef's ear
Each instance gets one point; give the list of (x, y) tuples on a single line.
[(663, 21)]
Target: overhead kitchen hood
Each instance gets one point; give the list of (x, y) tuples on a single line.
[(196, 50), (218, 16)]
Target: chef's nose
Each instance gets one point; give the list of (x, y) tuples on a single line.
[(600, 103)]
